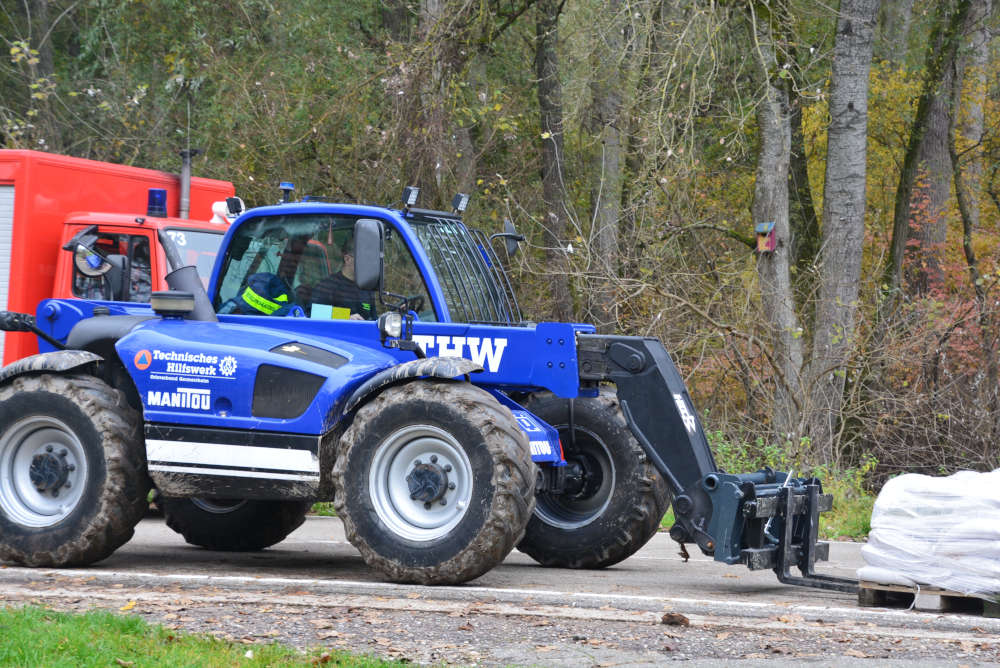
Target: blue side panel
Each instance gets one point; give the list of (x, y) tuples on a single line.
[(542, 437), (513, 358), (56, 317), (204, 374)]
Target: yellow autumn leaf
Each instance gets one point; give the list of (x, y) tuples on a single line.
[(128, 606)]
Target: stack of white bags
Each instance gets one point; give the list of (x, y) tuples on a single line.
[(942, 532)]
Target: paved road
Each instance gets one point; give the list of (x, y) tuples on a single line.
[(730, 609)]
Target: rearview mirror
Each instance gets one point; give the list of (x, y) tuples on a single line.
[(512, 238), (88, 262), (368, 254)]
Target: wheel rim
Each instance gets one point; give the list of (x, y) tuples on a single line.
[(415, 454), (571, 511), (218, 506), (43, 471)]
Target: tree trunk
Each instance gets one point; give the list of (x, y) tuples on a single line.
[(49, 126), (396, 15), (606, 169), (553, 176), (844, 204), (929, 201), (770, 204), (945, 36), (966, 133), (805, 232), (897, 17)]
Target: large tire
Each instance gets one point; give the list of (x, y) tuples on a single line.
[(73, 480), (617, 505), (233, 525), (468, 448)]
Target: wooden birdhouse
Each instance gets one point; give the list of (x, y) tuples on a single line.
[(765, 237)]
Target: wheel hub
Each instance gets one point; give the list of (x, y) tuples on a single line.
[(584, 477), (428, 482), (48, 472), (420, 482)]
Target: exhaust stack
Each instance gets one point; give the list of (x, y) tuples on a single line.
[(185, 206)]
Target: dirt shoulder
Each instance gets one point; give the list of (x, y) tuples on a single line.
[(417, 626)]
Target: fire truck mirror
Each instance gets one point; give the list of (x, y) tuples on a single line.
[(89, 262)]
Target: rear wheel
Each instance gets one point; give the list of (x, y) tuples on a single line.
[(72, 470), (434, 482), (233, 525), (614, 498)]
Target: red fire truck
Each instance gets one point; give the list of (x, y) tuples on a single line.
[(58, 212)]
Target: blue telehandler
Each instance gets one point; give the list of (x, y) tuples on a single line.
[(376, 357)]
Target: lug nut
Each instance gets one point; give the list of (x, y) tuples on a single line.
[(49, 448), (68, 484), (451, 485), (434, 459), (447, 468), (417, 462), (55, 492), (63, 452), (71, 468), (427, 505), (444, 502)]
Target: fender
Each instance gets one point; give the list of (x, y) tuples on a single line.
[(59, 361), (436, 367)]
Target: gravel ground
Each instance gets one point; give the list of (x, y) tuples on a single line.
[(421, 630)]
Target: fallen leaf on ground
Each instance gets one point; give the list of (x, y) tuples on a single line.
[(321, 623), (856, 653), (124, 663), (675, 619), (128, 606)]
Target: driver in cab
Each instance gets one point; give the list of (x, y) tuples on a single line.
[(342, 293)]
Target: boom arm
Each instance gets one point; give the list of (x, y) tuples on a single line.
[(766, 519)]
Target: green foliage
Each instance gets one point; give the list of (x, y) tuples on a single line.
[(323, 509), (850, 486), (35, 636)]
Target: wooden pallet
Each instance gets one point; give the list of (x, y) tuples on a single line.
[(873, 594)]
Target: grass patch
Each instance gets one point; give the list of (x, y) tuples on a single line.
[(35, 636), (323, 509), (852, 500)]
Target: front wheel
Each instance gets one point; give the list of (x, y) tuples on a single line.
[(613, 498), (73, 482), (233, 525), (434, 482)]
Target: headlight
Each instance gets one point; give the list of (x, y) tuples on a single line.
[(391, 324)]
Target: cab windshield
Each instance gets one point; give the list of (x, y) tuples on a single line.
[(303, 264)]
